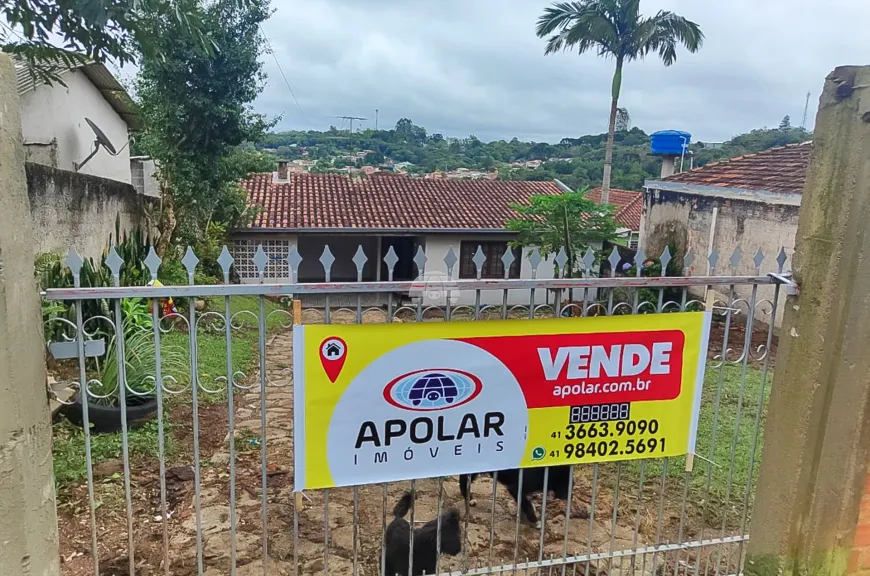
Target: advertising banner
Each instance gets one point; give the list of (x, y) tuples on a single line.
[(388, 402)]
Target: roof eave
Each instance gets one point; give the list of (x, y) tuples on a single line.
[(102, 79), (114, 93), (750, 195)]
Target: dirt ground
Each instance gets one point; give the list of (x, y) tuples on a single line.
[(623, 517)]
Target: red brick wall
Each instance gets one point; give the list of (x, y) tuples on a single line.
[(860, 560)]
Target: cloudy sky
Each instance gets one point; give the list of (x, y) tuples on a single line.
[(464, 67)]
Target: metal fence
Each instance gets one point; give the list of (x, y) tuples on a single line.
[(206, 487)]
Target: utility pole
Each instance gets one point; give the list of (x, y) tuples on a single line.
[(351, 119), (376, 118), (806, 107)]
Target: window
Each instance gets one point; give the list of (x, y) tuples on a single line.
[(493, 267), (634, 240), (243, 252)]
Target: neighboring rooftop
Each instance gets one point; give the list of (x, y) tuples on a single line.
[(331, 201), (313, 202), (103, 80), (781, 169), (628, 204)]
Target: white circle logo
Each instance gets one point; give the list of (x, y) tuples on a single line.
[(401, 417), (332, 349)]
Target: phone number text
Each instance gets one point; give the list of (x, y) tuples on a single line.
[(603, 430), (599, 448)]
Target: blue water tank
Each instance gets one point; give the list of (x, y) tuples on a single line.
[(669, 142)]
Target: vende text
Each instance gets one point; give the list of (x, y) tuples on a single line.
[(577, 369)]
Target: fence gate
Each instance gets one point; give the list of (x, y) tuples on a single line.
[(183, 460)]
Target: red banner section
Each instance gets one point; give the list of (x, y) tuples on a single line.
[(578, 369)]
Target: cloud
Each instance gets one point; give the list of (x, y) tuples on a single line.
[(460, 67)]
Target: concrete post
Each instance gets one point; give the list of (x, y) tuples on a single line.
[(28, 518), (817, 434)]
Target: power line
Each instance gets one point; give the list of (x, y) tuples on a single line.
[(281, 70), (350, 119), (22, 38)]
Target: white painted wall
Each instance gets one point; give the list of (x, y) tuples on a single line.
[(51, 112), (437, 247)]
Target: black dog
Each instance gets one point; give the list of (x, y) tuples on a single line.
[(558, 482), (425, 540)]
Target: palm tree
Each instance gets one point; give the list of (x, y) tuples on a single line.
[(615, 28)]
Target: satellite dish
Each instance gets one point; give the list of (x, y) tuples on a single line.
[(101, 140)]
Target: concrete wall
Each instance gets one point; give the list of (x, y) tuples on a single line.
[(54, 112), (688, 219), (437, 246), (74, 209), (809, 514), (28, 531)]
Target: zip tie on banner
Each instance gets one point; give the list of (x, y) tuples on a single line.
[(726, 308), (690, 461), (710, 303)]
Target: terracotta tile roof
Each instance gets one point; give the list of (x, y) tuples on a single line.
[(629, 205), (780, 169), (385, 201), (328, 201)]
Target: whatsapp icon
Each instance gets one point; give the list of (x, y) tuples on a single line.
[(538, 453)]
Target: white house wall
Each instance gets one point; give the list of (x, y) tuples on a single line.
[(343, 249), (56, 112), (438, 245)]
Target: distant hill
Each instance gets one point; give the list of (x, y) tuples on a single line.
[(577, 162)]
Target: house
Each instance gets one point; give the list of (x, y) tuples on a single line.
[(383, 212), (629, 210), (53, 125), (751, 201)]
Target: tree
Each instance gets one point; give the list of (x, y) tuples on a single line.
[(197, 111), (99, 30), (374, 158), (623, 120), (615, 28), (785, 125), (570, 221)]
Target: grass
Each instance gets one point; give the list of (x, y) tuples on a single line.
[(720, 439), (69, 444), (68, 449)]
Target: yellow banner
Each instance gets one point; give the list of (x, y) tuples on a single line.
[(389, 402)]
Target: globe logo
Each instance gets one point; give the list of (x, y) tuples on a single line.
[(432, 389)]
